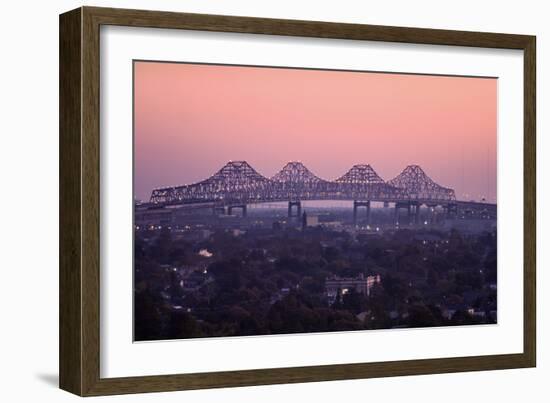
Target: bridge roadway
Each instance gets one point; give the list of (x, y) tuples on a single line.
[(452, 209)]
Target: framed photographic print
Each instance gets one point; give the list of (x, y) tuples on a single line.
[(249, 201)]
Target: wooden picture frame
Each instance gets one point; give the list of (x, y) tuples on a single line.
[(80, 187)]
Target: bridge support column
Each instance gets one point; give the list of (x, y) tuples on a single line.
[(410, 207), (417, 213), (368, 213), (432, 213), (396, 214), (398, 207), (356, 205), (451, 210), (218, 210), (298, 205)]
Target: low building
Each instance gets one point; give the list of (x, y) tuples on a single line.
[(342, 285), (312, 221)]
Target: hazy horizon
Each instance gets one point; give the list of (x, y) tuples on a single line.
[(192, 119)]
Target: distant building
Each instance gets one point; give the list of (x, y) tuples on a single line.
[(312, 221), (343, 285), (152, 217), (332, 224), (193, 235), (309, 220)]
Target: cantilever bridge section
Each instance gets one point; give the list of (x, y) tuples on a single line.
[(238, 184)]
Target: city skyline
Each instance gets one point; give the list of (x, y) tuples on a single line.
[(191, 119)]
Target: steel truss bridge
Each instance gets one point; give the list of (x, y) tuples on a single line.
[(238, 184)]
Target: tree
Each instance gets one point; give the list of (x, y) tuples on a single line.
[(421, 316), (183, 325), (353, 301), (148, 318), (161, 248)]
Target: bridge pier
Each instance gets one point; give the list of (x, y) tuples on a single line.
[(298, 205), (356, 205), (416, 213), (413, 211), (403, 205), (396, 213), (241, 206), (218, 210), (451, 210), (432, 213)]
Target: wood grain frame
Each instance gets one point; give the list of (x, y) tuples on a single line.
[(79, 345)]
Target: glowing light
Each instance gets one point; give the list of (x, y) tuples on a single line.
[(205, 253)]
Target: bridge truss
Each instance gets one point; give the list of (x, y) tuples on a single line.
[(239, 183)]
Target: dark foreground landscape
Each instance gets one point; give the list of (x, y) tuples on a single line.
[(192, 282)]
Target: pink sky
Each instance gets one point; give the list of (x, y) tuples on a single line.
[(191, 119)]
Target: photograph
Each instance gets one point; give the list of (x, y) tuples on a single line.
[(275, 200)]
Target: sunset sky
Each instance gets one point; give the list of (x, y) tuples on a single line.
[(191, 119)]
